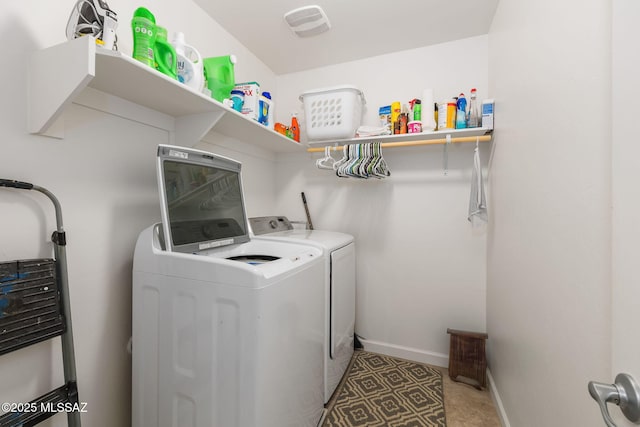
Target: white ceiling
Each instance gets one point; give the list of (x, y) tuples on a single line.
[(359, 28)]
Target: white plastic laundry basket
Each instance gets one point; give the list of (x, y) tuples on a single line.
[(332, 113)]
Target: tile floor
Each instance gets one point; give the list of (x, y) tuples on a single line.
[(466, 406)]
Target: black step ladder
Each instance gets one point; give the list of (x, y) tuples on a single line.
[(34, 307)]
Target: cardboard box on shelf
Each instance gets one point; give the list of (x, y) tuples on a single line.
[(251, 98)]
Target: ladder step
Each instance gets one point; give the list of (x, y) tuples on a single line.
[(30, 309), (43, 407)]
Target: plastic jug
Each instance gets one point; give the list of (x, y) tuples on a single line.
[(190, 71), (166, 60), (220, 76), (143, 25)]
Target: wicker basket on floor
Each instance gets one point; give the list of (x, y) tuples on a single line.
[(467, 356)]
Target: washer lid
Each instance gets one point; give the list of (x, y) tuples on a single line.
[(201, 200)]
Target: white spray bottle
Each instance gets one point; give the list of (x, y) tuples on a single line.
[(190, 70)]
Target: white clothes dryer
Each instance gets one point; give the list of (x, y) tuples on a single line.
[(227, 330), (340, 288)]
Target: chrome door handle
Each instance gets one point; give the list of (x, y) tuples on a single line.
[(624, 392)]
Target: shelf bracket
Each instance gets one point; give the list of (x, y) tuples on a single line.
[(445, 156), (190, 130), (56, 76)]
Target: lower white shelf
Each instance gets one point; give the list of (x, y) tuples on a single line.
[(455, 133), (410, 139)]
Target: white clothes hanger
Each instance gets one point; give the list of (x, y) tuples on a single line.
[(381, 169), (327, 161), (358, 161), (367, 159), (339, 165), (354, 169)]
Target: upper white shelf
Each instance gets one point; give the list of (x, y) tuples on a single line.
[(79, 64)]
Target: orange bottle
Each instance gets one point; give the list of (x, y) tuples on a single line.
[(281, 128), (295, 127)]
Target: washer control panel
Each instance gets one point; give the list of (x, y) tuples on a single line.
[(269, 224)]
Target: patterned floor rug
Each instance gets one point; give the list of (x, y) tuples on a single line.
[(385, 391)]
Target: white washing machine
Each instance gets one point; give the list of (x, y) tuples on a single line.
[(340, 288), (227, 331)]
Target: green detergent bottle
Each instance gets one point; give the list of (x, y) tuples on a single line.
[(220, 75), (166, 60), (143, 25)]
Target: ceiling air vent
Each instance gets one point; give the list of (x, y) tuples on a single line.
[(307, 21)]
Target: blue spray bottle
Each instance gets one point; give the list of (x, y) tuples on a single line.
[(461, 115)]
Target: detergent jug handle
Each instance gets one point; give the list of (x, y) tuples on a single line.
[(191, 52)]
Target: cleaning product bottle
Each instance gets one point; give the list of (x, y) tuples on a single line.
[(295, 127), (164, 54), (281, 128), (404, 119), (451, 114), (143, 25), (271, 121), (237, 100), (190, 71), (442, 114), (416, 107), (395, 115), (461, 114), (429, 111), (220, 75), (473, 114), (435, 116), (264, 106)]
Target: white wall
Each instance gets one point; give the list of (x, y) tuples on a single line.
[(447, 68), (626, 206), (420, 265), (549, 266), (103, 172)]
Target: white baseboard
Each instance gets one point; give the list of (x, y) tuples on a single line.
[(414, 354), (497, 401)]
